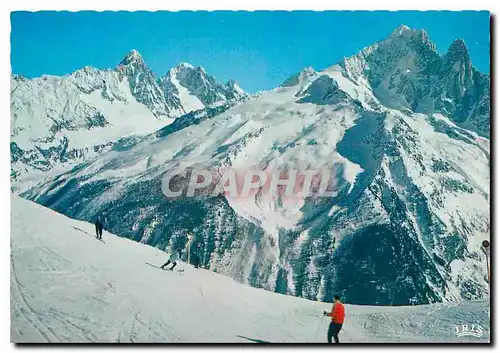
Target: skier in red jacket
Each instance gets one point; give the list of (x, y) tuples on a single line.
[(337, 314)]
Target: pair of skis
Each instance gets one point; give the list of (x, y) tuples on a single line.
[(172, 270)]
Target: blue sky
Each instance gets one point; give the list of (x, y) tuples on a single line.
[(257, 49)]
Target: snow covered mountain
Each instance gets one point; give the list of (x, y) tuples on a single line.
[(58, 122), (406, 72), (195, 89), (412, 206), (111, 292)]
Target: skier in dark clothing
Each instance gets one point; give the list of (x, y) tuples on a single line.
[(197, 252), (99, 223), (172, 260), (337, 314)]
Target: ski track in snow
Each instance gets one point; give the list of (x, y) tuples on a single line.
[(68, 287)]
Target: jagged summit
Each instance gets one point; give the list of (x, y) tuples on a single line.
[(400, 30), (458, 44), (458, 49), (405, 36), (405, 31), (187, 80), (132, 56), (184, 65), (405, 71), (299, 77), (184, 69), (232, 84)]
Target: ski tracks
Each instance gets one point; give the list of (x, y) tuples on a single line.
[(31, 315), (67, 320)]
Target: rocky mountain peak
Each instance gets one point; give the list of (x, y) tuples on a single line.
[(233, 85), (204, 87), (132, 57), (189, 74), (299, 77), (406, 71), (143, 85), (411, 38), (458, 52), (401, 30), (184, 66)]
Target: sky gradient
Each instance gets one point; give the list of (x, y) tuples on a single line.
[(257, 49)]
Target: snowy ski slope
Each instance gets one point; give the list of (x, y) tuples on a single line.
[(66, 286)]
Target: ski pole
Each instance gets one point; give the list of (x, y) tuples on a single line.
[(319, 325), (190, 237), (486, 249), (317, 329)]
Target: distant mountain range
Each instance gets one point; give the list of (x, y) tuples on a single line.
[(58, 122)]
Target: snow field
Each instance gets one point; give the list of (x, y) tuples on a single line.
[(67, 286)]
